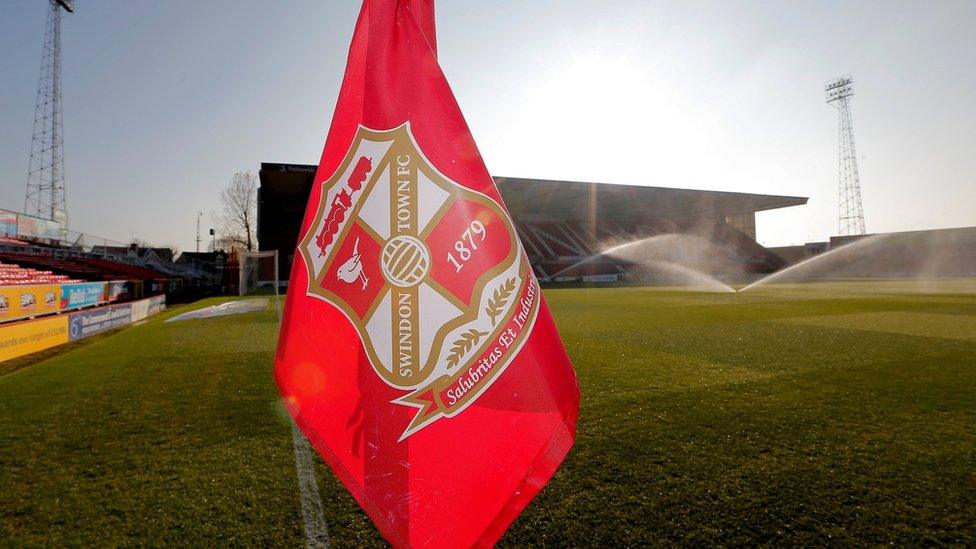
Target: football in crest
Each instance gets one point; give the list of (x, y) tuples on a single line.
[(405, 261)]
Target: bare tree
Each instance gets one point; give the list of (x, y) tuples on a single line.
[(225, 244), (240, 202)]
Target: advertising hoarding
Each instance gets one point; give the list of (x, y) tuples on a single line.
[(29, 336), (39, 228), (8, 223), (82, 294), (140, 310), (157, 304), (23, 338), (87, 323), (146, 307), (119, 289), (29, 300)]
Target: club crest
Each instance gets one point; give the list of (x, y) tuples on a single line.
[(429, 272)]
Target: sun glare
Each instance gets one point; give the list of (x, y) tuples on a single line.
[(608, 113)]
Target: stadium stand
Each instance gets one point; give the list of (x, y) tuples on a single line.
[(35, 250), (563, 222), (149, 270)]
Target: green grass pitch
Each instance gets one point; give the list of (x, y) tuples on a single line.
[(811, 414)]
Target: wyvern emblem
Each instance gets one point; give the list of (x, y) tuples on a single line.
[(446, 298)]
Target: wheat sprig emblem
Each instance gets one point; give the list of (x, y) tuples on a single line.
[(499, 298), (463, 345)]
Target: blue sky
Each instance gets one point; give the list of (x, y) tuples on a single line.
[(165, 100)]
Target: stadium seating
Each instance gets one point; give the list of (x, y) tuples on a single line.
[(557, 247), (122, 270), (533, 246), (583, 269), (11, 274), (39, 261), (752, 255), (77, 267), (554, 239)]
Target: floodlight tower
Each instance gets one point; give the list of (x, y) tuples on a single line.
[(851, 217), (45, 176)]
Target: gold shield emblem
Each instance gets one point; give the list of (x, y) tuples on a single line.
[(430, 272)]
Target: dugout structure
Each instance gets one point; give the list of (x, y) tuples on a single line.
[(561, 222)]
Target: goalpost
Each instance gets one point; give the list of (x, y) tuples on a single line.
[(258, 275)]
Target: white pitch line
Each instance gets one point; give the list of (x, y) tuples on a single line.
[(313, 517), (316, 531)]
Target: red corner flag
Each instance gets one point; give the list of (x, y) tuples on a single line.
[(416, 352)]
